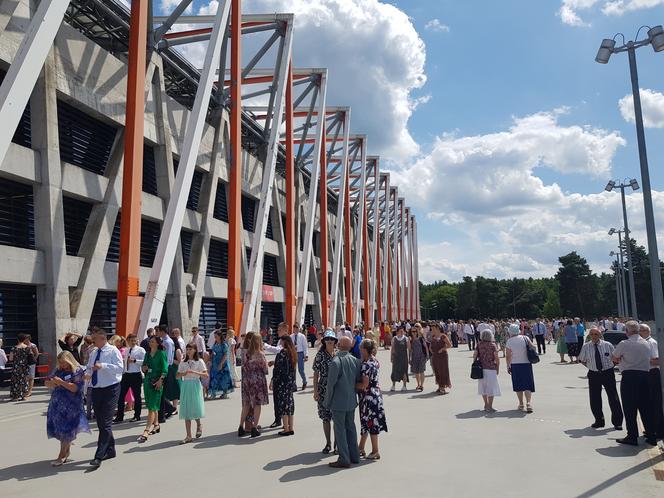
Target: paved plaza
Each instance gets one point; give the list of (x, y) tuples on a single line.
[(437, 446)]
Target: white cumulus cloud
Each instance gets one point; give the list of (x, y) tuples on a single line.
[(569, 9), (652, 103), (437, 26)]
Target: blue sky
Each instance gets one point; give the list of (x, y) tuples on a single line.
[(493, 118)]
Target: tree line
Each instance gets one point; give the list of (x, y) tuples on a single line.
[(575, 290)]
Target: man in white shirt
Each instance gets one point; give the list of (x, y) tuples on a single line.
[(176, 334), (104, 371), (132, 378), (198, 341), (469, 332), (539, 331), (300, 342), (654, 383)]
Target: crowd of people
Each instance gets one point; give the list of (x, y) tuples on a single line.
[(105, 378)]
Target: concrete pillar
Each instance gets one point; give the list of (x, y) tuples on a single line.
[(52, 297)]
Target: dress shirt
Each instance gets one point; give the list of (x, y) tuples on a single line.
[(587, 355), (654, 352), (182, 344), (269, 348), (111, 369), (300, 342), (199, 342), (620, 326), (468, 329), (136, 353), (169, 347), (634, 354), (580, 330), (540, 328)]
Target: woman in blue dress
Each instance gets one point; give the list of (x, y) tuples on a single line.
[(221, 378), (65, 417), (372, 411)]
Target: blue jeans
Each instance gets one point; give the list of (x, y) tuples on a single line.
[(300, 367)]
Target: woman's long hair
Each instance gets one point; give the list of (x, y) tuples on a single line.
[(290, 349), (68, 358), (255, 343)]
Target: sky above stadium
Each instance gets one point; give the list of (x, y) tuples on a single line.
[(493, 118)]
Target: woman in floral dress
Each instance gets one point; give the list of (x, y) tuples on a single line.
[(320, 368), (65, 417), (254, 384), (20, 356), (372, 412), (220, 372), (283, 381)]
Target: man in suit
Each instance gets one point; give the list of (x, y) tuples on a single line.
[(341, 398)]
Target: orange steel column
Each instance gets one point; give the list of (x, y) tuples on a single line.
[(412, 273), (347, 255), (365, 265), (388, 256), (234, 301), (291, 243), (324, 286), (129, 301), (402, 287)]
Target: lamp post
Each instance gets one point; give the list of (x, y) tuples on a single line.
[(634, 185), (608, 47), (618, 291), (622, 271)]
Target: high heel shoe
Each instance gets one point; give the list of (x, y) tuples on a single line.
[(144, 437), (156, 429), (199, 431)]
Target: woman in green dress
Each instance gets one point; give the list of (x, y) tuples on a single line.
[(155, 368), (561, 346)]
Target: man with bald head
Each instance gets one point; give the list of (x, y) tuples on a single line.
[(341, 398)]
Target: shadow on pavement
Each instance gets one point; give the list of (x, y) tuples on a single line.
[(587, 432), (301, 459), (621, 450), (498, 414), (151, 447), (603, 486), (317, 471), (432, 394), (231, 438), (39, 470)]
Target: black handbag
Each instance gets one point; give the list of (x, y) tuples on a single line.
[(533, 357), (476, 371)]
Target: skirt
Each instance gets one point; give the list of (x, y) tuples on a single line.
[(561, 347), (488, 385), (522, 377), (152, 396), (573, 348), (192, 406)]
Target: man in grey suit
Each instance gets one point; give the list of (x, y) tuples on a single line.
[(341, 398)]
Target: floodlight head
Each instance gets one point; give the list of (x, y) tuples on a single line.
[(605, 50), (609, 186), (656, 36), (612, 231), (634, 184)]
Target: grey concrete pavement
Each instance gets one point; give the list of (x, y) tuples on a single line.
[(436, 445)]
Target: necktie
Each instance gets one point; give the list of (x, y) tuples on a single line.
[(128, 356), (94, 373), (598, 358)]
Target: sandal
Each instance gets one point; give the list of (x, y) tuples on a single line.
[(156, 429), (373, 456), (186, 440), (529, 409), (520, 408), (363, 453), (199, 431), (144, 437), (327, 449)]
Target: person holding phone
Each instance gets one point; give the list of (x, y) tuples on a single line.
[(192, 406), (155, 368)]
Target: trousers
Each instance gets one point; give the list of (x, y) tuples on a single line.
[(471, 341), (656, 413), (606, 379), (345, 436), (541, 345), (635, 394), (105, 402), (132, 381), (300, 366)]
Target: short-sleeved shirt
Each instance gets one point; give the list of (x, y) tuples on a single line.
[(486, 353), (196, 366), (517, 345), (580, 330), (634, 354)]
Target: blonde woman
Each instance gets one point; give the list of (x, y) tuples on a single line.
[(65, 417)]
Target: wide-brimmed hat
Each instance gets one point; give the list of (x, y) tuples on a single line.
[(329, 334)]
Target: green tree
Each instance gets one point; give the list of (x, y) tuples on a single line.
[(577, 285), (551, 308)]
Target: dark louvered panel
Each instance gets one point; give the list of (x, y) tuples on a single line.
[(269, 233), (104, 311), (248, 213), (17, 215), (247, 252), (272, 314), (150, 232), (309, 315), (149, 171), (316, 243), (217, 265), (18, 313), (113, 253), (220, 204), (76, 214), (185, 241), (84, 140), (270, 275), (213, 311), (23, 134), (195, 189)]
